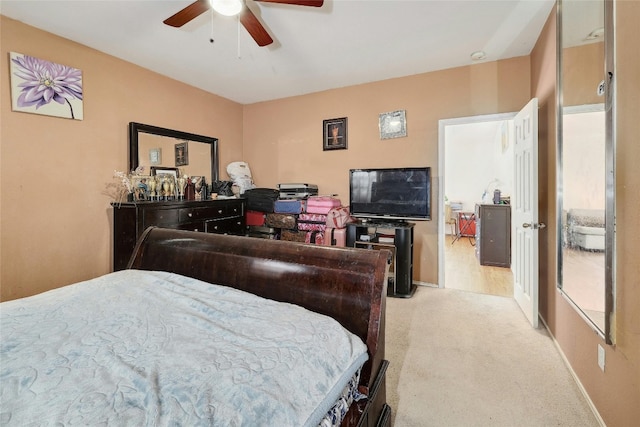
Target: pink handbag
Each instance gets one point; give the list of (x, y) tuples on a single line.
[(339, 217), (312, 222), (322, 204)]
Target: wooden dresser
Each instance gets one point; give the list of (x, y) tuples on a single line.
[(212, 216)]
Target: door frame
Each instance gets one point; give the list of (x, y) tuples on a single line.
[(442, 124)]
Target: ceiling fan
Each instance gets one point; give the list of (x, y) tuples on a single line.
[(233, 7)]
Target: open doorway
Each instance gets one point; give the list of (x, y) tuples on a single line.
[(476, 159)]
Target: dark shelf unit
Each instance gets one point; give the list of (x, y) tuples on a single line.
[(401, 268), (493, 235)]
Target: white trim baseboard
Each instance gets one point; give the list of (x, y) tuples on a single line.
[(431, 285), (574, 375)]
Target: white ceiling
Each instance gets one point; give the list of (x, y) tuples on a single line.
[(343, 43)]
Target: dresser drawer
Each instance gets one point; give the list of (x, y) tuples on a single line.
[(191, 226), (160, 217), (223, 226), (210, 212), (235, 209)]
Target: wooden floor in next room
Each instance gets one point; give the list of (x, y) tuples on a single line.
[(464, 272)]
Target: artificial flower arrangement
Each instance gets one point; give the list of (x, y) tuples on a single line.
[(123, 187)]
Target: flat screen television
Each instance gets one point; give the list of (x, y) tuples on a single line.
[(391, 193)]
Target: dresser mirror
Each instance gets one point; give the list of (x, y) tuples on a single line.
[(585, 171), (152, 146)]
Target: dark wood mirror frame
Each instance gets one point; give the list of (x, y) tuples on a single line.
[(136, 128)]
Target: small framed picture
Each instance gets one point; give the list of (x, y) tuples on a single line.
[(334, 133), (155, 156), (161, 170), (182, 154), (393, 124), (140, 185)]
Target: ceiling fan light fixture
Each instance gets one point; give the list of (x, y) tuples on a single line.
[(478, 55), (227, 7), (595, 34)]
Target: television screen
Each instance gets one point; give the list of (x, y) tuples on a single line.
[(393, 193)]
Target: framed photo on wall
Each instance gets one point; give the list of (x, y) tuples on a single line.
[(334, 133), (393, 124)]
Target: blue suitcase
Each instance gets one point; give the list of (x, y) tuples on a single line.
[(290, 206)]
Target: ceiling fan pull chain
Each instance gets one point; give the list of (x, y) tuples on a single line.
[(211, 39), (238, 36)]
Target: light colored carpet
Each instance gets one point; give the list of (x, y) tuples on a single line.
[(465, 359)]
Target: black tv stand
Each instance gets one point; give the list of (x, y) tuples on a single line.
[(395, 236), (381, 222)]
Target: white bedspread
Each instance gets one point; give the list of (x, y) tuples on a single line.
[(157, 349)]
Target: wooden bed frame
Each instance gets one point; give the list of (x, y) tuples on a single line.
[(346, 284)]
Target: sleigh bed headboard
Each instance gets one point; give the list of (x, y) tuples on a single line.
[(346, 284)]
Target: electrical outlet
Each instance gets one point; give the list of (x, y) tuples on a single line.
[(601, 357)]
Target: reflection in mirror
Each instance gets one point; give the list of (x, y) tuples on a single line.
[(197, 160), (152, 146), (582, 167), (583, 179)]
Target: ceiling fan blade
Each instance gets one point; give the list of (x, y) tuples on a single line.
[(314, 3), (188, 13), (254, 27)]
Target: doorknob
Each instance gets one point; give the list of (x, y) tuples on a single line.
[(537, 226)]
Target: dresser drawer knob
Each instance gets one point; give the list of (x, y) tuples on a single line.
[(190, 214), (220, 211)]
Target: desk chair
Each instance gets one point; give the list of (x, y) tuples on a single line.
[(449, 218), (466, 223)]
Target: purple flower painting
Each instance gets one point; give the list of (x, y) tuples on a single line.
[(43, 87)]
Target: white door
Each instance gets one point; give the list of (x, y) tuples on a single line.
[(524, 211)]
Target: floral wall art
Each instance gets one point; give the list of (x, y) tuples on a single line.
[(43, 87)]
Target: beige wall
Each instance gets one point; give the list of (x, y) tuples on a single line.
[(615, 392), (56, 221), (582, 67), (56, 224), (283, 138)]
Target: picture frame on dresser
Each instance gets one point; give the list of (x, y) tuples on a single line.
[(170, 192), (161, 170), (140, 184)]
